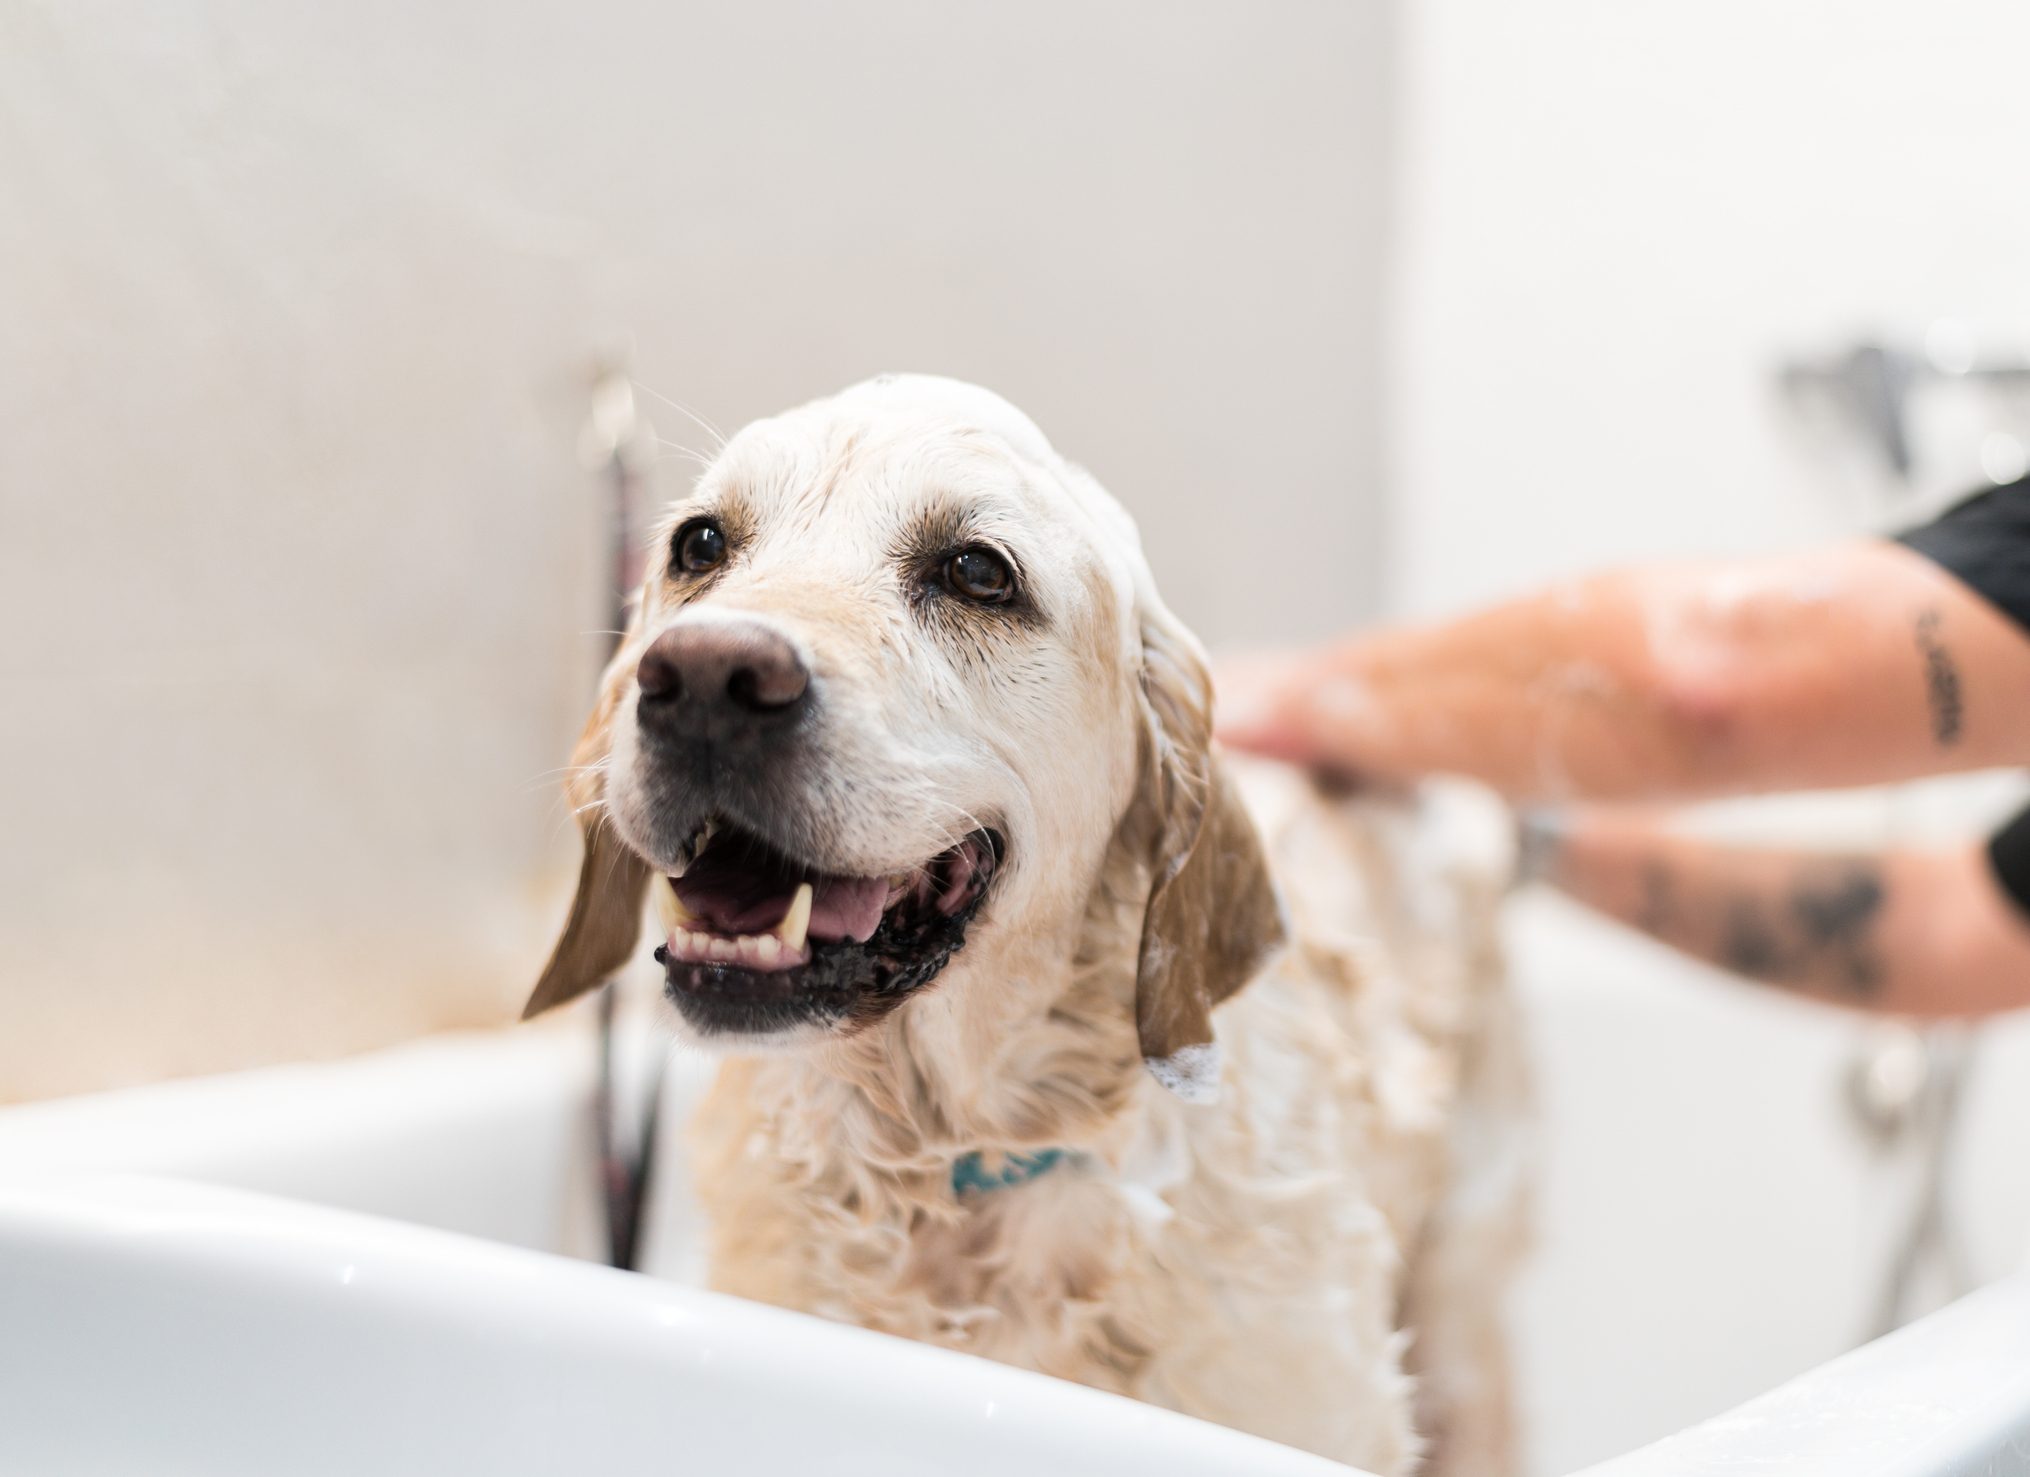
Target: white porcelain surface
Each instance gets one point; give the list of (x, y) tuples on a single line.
[(1703, 1237), (1710, 1221), (1946, 1397), (159, 1327), (475, 1131)]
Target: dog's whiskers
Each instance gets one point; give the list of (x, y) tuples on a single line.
[(689, 452), (718, 436)]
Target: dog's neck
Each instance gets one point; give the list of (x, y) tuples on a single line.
[(1023, 1048), (864, 1145), (1027, 1043)]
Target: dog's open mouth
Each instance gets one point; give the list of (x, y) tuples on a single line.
[(759, 942)]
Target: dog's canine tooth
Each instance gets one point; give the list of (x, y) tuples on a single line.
[(797, 921)]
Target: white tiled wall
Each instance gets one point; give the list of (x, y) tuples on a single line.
[(1616, 220)]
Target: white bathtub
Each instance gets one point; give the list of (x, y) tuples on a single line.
[(160, 1327), (1711, 1220), (1712, 1226)]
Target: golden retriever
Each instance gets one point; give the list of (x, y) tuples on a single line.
[(914, 765)]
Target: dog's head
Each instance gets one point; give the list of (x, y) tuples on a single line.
[(901, 685)]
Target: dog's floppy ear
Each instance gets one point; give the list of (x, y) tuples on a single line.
[(1213, 918), (605, 921)]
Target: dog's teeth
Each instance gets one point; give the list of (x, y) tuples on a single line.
[(692, 849), (670, 909), (767, 948), (797, 921)]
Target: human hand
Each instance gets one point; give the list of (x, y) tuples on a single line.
[(1257, 703), (1289, 705)]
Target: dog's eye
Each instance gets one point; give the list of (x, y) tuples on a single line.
[(979, 574), (698, 546)]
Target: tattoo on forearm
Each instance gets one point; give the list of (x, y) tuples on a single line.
[(1822, 934), (1941, 681), (1837, 913), (1750, 945)]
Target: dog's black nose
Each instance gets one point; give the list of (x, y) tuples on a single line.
[(720, 677)]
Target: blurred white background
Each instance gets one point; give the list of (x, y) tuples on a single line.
[(1364, 308), (303, 577)]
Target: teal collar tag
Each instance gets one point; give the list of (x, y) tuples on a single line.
[(970, 1174)]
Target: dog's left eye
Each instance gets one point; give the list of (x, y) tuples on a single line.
[(980, 575)]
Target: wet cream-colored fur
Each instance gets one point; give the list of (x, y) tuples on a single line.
[(1317, 1255)]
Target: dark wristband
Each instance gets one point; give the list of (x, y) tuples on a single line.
[(2009, 857)]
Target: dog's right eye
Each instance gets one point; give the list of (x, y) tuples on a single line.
[(698, 546)]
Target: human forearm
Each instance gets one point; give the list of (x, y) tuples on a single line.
[(1907, 931), (1550, 696), (1847, 666)]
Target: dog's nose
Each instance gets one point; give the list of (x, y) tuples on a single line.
[(722, 676)]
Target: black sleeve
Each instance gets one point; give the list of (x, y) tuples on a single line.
[(2009, 856), (1985, 542)]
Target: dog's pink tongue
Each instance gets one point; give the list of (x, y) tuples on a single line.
[(847, 907), (733, 902)]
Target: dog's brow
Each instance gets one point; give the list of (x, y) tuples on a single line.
[(952, 523), (934, 529)]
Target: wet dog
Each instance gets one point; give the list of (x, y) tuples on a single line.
[(1051, 1034)]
